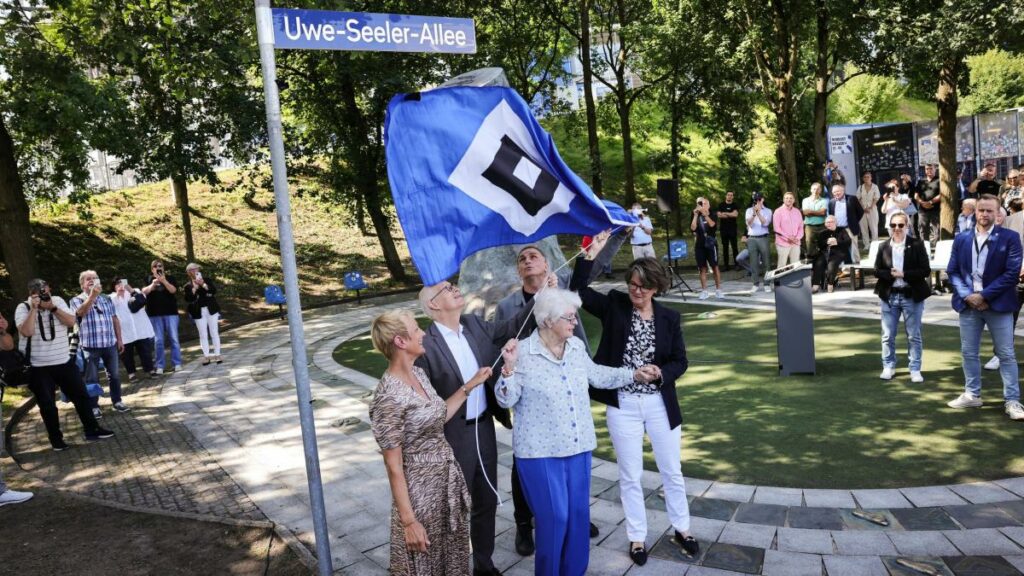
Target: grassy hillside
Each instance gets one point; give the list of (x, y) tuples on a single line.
[(235, 237)]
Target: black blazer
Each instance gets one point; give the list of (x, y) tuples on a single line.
[(204, 296), (615, 311), (485, 339), (916, 269), (840, 250), (854, 211)]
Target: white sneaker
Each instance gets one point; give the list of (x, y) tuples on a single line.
[(703, 295), (15, 497), (719, 295), (916, 376), (965, 400), (178, 368), (767, 288), (887, 373), (992, 364), (158, 371), (1014, 410)]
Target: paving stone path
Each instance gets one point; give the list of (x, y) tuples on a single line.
[(231, 433)]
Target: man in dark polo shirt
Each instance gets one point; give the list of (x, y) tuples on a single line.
[(162, 309), (929, 206), (987, 183), (727, 213)]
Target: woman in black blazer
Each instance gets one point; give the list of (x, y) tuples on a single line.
[(636, 330), (200, 294), (902, 270)]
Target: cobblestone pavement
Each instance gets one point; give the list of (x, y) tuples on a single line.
[(243, 415)]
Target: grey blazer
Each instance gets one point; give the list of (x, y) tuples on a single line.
[(514, 304)]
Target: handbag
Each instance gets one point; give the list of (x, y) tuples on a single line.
[(15, 370)]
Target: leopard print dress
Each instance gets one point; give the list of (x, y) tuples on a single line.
[(401, 418)]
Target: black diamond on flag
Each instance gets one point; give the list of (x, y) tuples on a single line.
[(514, 172)]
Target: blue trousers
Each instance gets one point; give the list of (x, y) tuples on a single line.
[(110, 361), (168, 324), (558, 491)]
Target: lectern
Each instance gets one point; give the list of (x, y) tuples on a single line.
[(794, 319)]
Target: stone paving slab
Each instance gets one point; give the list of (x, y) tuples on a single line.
[(807, 541), (982, 492), (855, 566), (982, 542), (778, 563), (861, 542), (780, 496), (890, 498)]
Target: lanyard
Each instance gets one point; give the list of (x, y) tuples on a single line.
[(977, 272)]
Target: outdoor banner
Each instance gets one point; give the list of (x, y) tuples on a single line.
[(927, 142), (887, 151), (840, 150), (965, 149), (998, 134), (471, 168), (362, 31), (1020, 132)]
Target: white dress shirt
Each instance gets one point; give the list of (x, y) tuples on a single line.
[(476, 404), (899, 251)]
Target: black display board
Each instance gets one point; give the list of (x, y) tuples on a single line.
[(885, 148)]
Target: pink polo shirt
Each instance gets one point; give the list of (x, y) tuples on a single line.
[(788, 222)]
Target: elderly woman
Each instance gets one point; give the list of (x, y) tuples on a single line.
[(200, 294), (833, 246), (431, 501), (902, 269), (638, 331), (544, 381)]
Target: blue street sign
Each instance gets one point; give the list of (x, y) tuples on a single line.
[(321, 30)]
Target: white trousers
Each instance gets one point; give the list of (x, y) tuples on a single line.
[(208, 322), (626, 424), (643, 251), (787, 255)]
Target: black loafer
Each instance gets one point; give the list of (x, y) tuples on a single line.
[(638, 555), (688, 544), (594, 532), (524, 540)]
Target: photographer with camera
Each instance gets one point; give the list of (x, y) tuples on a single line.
[(705, 247), (7, 496), (641, 234), (99, 333), (43, 321), (136, 329), (200, 293), (895, 200), (759, 219), (162, 307)]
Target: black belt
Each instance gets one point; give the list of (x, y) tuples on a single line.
[(648, 244), (758, 236), (483, 418), (903, 290)]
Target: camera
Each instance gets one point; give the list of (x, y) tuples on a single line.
[(44, 297)]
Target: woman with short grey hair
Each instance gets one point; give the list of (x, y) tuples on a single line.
[(200, 294), (544, 382)]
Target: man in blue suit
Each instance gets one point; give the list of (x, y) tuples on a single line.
[(983, 270)]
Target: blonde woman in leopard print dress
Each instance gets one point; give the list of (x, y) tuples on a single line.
[(430, 515)]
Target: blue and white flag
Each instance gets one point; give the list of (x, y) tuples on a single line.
[(471, 168)]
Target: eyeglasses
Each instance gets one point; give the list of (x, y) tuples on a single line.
[(637, 287), (447, 288), (900, 226), (570, 318)]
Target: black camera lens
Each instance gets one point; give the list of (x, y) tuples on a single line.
[(44, 297)]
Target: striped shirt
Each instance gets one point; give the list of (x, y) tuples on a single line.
[(49, 347), (96, 328)]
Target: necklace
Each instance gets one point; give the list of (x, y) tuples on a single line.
[(551, 349)]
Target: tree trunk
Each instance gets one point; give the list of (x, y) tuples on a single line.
[(785, 150), (593, 144), (361, 217), (180, 187), (821, 78), (628, 178), (674, 148), (15, 226), (946, 99), (380, 224)]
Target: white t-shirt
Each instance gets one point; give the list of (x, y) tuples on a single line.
[(49, 347)]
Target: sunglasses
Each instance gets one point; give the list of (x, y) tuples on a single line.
[(900, 226)]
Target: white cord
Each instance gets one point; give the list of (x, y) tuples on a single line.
[(476, 423)]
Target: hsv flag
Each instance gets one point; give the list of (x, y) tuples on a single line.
[(471, 168)]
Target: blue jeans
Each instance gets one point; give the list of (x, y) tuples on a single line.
[(170, 325), (110, 362), (558, 491), (898, 305), (1000, 325)]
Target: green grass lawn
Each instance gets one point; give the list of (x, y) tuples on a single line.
[(842, 428)]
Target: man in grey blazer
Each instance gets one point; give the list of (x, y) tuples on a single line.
[(532, 266), (457, 345)]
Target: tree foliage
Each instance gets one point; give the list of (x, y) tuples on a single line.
[(866, 98), (996, 82)]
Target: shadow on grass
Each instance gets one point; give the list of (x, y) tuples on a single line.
[(840, 428)]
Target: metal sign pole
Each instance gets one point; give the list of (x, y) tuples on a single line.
[(265, 33)]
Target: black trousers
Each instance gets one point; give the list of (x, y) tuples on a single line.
[(826, 267), (144, 348), (928, 227), (45, 382), (462, 438), (521, 508), (727, 241)]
